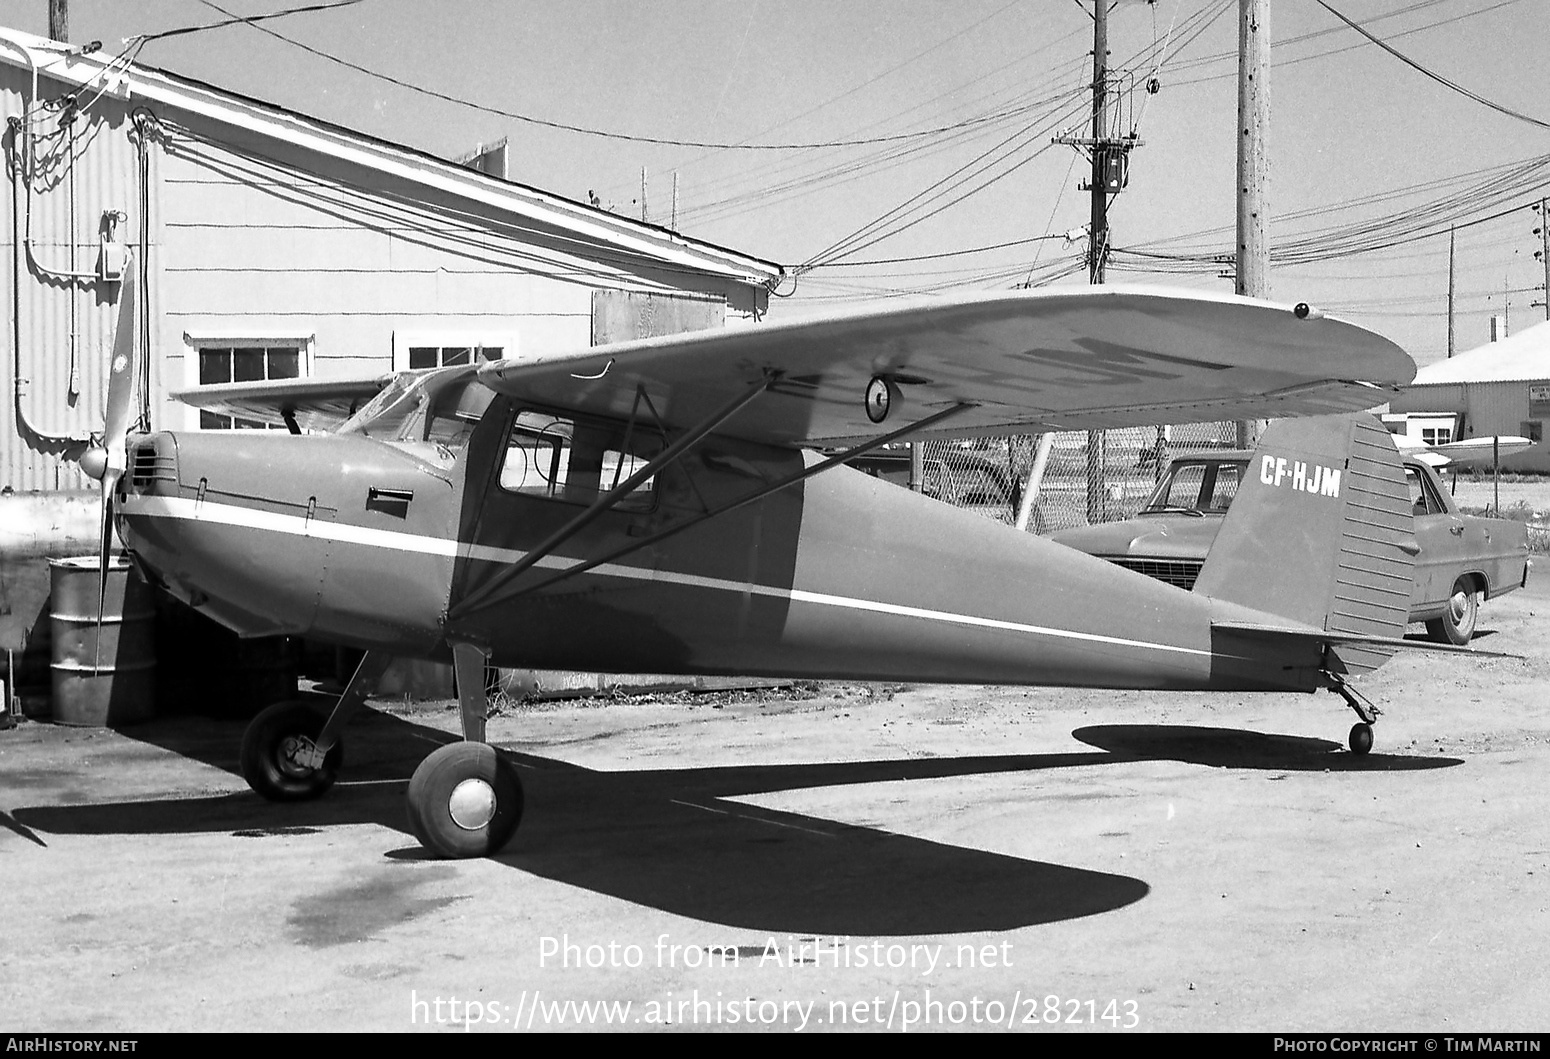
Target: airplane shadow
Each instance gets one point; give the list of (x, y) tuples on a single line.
[(669, 839), (1239, 749)]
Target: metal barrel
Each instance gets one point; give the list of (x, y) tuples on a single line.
[(101, 676)]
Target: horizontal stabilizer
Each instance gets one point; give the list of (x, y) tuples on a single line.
[(1324, 636)]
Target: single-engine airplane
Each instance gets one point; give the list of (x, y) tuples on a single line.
[(659, 506)]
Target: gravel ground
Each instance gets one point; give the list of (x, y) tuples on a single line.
[(846, 856)]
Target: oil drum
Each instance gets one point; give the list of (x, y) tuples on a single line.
[(103, 674)]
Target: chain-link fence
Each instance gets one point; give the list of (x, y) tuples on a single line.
[(1088, 478)]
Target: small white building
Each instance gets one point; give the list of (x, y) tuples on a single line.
[(1499, 388)]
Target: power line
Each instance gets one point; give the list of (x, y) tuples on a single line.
[(603, 133), (947, 253), (250, 19), (1455, 86)]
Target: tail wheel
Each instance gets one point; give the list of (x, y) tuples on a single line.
[(1361, 738), (279, 751), (1457, 623), (465, 800)]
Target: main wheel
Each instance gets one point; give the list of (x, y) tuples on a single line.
[(272, 749), (1457, 624), (465, 800), (1361, 737)]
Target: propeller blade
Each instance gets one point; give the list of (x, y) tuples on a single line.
[(104, 555), (115, 430), (121, 372)]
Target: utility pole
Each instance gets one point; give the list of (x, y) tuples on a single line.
[(1544, 252), (59, 20), (1098, 241), (1110, 172), (1253, 165), (1451, 233)]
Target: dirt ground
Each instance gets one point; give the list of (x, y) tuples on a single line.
[(843, 857)]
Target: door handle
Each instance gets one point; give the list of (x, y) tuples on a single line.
[(1457, 531)]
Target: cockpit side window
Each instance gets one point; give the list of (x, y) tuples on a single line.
[(454, 413), (576, 460)]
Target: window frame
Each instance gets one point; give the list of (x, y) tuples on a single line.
[(452, 338), (644, 500), (197, 341)]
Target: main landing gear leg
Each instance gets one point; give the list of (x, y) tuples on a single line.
[(291, 753), (465, 800), (1360, 739)]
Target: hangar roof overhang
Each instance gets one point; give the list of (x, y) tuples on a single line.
[(1523, 357), (132, 82)]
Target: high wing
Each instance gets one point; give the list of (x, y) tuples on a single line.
[(1025, 362), (1467, 450), (314, 404)]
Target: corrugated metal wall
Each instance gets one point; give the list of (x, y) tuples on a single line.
[(81, 171), (1488, 408), (1502, 408)]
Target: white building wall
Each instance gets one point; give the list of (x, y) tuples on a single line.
[(254, 238)]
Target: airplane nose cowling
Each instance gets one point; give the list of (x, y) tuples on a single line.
[(335, 537)]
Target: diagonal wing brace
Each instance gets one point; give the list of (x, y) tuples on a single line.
[(479, 601), (611, 499)]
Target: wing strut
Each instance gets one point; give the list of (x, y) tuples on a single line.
[(479, 602), (605, 503)]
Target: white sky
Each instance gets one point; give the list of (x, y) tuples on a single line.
[(1344, 126)]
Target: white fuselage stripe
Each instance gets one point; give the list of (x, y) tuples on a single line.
[(187, 509)]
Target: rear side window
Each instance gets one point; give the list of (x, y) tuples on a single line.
[(577, 460)]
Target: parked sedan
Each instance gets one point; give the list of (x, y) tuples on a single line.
[(960, 478), (1463, 558)]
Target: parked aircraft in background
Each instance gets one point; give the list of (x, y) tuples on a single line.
[(659, 506), (1486, 450)]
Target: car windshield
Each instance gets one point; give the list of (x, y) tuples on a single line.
[(1197, 486)]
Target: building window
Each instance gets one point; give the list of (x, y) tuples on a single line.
[(246, 363), (418, 350), (1436, 435), (446, 356)]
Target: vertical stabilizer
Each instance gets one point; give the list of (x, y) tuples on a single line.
[(1321, 534)]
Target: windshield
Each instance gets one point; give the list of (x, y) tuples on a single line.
[(441, 406), (1198, 486), (383, 416)]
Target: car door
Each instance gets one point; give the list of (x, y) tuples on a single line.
[(1440, 534)]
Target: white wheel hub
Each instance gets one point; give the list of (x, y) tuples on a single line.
[(472, 804)]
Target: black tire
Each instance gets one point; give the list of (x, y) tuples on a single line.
[(1457, 625), (432, 813), (1360, 739), (269, 743)]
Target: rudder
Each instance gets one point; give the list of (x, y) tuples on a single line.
[(1321, 534)]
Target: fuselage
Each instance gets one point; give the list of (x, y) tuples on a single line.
[(407, 543)]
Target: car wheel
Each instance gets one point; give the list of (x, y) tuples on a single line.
[(1457, 623)]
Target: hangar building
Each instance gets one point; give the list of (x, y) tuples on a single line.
[(274, 245), (266, 245), (1499, 388)]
